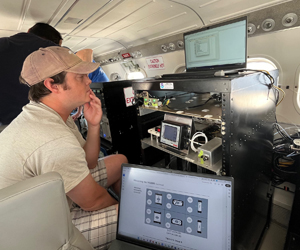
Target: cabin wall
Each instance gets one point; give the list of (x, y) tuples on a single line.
[(172, 61), (283, 49)]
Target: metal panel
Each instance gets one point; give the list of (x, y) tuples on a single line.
[(248, 112), (249, 120), (187, 85)]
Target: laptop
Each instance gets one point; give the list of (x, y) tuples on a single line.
[(169, 209), (214, 48)]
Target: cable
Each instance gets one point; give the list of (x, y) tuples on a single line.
[(282, 93), (196, 135), (279, 129), (173, 158), (199, 105), (271, 85)]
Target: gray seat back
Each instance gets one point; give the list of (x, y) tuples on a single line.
[(34, 214)]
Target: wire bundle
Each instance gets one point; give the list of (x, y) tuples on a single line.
[(271, 84), (196, 135), (283, 161)]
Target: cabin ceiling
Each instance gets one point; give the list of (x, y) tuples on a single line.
[(107, 26)]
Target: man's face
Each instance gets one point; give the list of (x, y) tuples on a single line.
[(78, 89)]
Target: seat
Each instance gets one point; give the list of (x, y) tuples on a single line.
[(34, 214)]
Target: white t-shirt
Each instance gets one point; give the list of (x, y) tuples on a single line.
[(39, 141)]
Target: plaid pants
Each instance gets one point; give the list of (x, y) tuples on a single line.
[(98, 227)]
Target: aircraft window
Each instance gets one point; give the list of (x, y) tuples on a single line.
[(115, 77), (260, 63), (298, 92), (135, 75)]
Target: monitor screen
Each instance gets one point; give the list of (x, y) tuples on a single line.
[(218, 47), (170, 133), (175, 209)]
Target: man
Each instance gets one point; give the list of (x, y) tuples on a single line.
[(13, 51), (44, 138), (47, 32)]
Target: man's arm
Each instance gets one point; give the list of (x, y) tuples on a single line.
[(93, 115), (90, 196)]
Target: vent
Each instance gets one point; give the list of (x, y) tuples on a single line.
[(115, 77), (73, 20), (251, 28), (268, 24), (180, 44), (289, 19)]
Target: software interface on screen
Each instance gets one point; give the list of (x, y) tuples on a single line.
[(222, 45), (175, 210)]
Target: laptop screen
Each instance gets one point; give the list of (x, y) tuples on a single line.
[(218, 47), (168, 209)]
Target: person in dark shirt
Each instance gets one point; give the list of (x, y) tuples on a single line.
[(13, 51)]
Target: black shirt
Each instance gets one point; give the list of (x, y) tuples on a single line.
[(13, 51)]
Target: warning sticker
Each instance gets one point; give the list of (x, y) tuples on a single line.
[(155, 63), (129, 96)]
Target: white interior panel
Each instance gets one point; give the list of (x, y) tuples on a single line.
[(39, 11), (10, 14), (131, 19), (79, 43), (114, 19), (166, 22), (82, 10), (259, 46), (72, 42), (87, 27), (107, 48), (214, 11), (64, 6), (99, 45)]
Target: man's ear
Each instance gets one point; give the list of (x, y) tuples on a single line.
[(48, 82)]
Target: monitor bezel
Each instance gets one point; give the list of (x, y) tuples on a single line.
[(167, 141), (223, 66)]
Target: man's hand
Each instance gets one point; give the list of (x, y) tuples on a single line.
[(93, 110), (78, 113)]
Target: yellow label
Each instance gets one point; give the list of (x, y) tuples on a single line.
[(200, 155)]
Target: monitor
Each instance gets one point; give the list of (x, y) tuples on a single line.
[(168, 209), (218, 47), (174, 134)]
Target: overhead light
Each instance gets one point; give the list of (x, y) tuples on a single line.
[(164, 48), (172, 46)]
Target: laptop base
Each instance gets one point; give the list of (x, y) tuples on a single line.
[(122, 245)]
